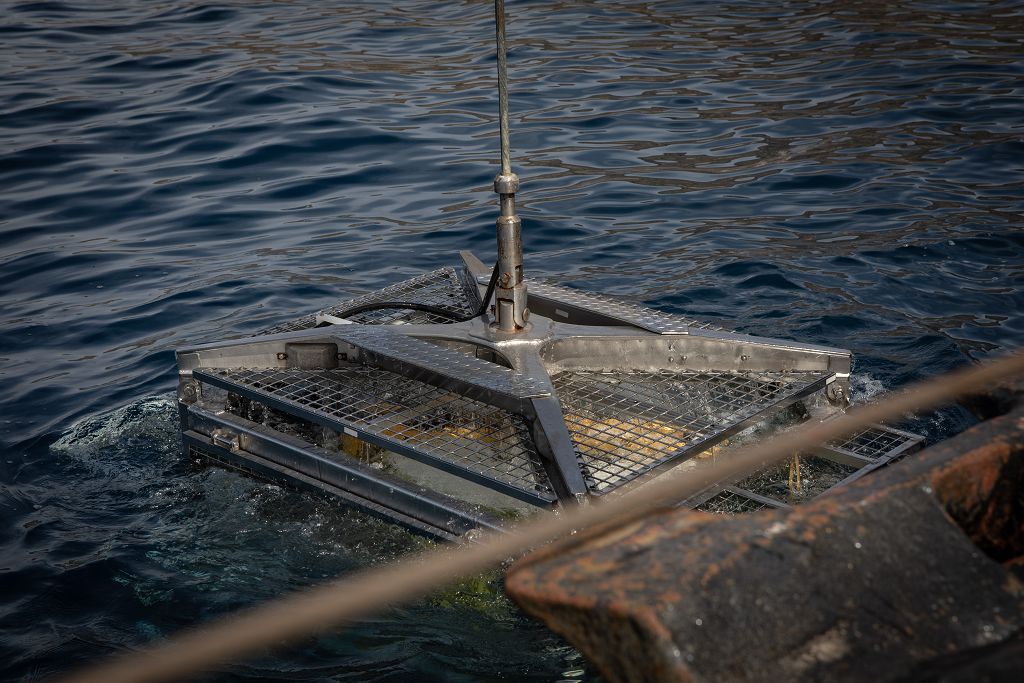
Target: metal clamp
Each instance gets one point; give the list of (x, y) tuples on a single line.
[(506, 183)]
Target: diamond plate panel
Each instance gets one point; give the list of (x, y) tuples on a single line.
[(442, 287), (439, 360), (633, 314)]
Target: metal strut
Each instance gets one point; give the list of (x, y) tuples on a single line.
[(510, 293)]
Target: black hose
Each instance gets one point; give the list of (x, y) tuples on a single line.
[(454, 316)]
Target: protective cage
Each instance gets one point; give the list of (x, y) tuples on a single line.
[(445, 427)]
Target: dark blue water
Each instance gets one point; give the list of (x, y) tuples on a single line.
[(842, 172)]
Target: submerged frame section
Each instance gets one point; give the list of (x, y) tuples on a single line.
[(594, 394)]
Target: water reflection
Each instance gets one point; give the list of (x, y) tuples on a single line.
[(836, 172)]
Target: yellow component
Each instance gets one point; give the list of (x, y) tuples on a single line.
[(625, 445), (352, 446), (796, 484), (476, 433), (404, 432), (483, 431), (610, 436)]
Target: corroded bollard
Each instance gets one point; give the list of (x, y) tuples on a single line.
[(915, 571)]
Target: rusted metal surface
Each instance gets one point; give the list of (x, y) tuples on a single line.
[(916, 572)]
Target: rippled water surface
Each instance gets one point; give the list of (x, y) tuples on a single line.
[(834, 171)]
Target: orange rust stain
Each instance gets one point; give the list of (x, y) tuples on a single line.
[(710, 572), (670, 597), (978, 468), (1013, 585)]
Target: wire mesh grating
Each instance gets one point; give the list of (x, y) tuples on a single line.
[(625, 424), (808, 476), (794, 481), (731, 503), (442, 287), (876, 442), (401, 412)]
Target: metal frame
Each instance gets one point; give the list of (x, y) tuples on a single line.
[(582, 396), (216, 435), (866, 451), (582, 336)]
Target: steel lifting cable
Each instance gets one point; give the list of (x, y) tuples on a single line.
[(506, 170), (368, 592)]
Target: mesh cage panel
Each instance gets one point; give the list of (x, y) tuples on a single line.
[(488, 441), (731, 503), (875, 442), (625, 424), (782, 482), (441, 287)]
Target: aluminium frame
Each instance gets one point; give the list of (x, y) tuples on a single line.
[(569, 332)]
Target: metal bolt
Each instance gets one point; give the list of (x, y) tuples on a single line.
[(526, 314), (282, 355), (836, 393)]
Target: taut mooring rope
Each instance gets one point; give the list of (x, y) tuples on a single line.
[(371, 591)]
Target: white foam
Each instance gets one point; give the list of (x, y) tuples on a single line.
[(864, 388), (150, 419)]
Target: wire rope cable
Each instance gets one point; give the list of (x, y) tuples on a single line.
[(454, 316)]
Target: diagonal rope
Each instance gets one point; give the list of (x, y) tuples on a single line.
[(371, 591)]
